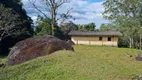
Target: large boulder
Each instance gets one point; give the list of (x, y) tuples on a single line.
[(138, 57), (34, 47), (70, 42)]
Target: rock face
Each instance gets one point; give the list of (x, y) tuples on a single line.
[(70, 42), (138, 57), (34, 47)]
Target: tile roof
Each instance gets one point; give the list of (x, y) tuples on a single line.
[(96, 33)]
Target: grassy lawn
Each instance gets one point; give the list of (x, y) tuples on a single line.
[(86, 63)]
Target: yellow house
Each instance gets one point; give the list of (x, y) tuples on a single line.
[(107, 38)]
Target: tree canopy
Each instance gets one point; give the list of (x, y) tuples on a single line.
[(108, 27), (87, 27), (68, 27), (43, 26), (127, 15), (52, 7), (15, 25)]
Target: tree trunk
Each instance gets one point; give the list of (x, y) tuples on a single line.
[(52, 29), (53, 21), (140, 42), (130, 43)]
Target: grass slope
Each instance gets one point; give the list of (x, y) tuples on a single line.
[(86, 63)]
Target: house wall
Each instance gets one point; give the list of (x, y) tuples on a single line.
[(94, 40)]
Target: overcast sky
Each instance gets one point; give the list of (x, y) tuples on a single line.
[(84, 11)]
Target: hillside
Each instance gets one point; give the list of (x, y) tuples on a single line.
[(86, 63)]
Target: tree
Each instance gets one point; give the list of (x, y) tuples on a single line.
[(127, 14), (79, 27), (103, 27), (66, 28), (15, 25), (9, 25), (90, 27), (43, 26), (52, 7), (16, 6), (108, 27), (86, 27)]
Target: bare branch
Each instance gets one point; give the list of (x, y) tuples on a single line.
[(34, 5), (52, 8), (1, 37), (65, 16), (60, 2)]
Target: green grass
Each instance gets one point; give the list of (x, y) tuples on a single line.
[(86, 63), (2, 59)]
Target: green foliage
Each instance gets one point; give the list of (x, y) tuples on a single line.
[(90, 27), (123, 42), (87, 27), (127, 15), (108, 27), (16, 6), (10, 23), (86, 63), (43, 26), (67, 27), (15, 25)]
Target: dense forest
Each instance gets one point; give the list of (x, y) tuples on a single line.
[(16, 25)]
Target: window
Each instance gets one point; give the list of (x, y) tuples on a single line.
[(109, 38), (100, 38)]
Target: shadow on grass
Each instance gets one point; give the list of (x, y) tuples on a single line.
[(2, 61), (2, 57)]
